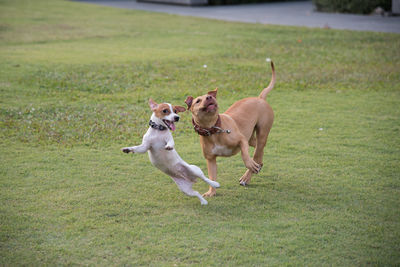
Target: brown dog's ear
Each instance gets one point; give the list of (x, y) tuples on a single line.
[(213, 93), (189, 101), (179, 109), (153, 105)]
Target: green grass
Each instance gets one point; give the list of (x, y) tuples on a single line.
[(74, 84)]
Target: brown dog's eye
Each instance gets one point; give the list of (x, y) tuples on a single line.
[(165, 111), (198, 101)]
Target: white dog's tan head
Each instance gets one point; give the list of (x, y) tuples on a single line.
[(165, 113)]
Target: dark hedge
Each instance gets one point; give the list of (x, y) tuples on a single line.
[(352, 6), (235, 2)]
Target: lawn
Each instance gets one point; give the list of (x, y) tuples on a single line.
[(74, 84)]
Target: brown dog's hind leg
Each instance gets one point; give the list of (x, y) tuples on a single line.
[(253, 140)]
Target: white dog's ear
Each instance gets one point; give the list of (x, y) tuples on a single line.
[(153, 105), (179, 109), (213, 93)]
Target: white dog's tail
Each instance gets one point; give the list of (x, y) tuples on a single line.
[(265, 92)]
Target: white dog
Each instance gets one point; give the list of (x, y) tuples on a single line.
[(159, 143)]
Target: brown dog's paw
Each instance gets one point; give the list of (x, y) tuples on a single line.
[(210, 193), (245, 180), (253, 166), (261, 165)]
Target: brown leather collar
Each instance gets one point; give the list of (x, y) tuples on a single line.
[(209, 131)]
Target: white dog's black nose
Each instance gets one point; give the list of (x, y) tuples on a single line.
[(176, 118)]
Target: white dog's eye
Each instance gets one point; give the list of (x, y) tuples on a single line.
[(175, 111), (165, 111)]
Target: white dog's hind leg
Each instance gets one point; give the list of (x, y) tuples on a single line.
[(196, 171), (186, 187)]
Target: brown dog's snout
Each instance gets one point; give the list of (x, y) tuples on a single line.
[(208, 97)]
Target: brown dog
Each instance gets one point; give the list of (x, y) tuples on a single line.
[(246, 122)]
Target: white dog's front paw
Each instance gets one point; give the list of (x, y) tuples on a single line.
[(127, 149)]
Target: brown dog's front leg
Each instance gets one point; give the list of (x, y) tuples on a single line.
[(212, 174), (250, 164)]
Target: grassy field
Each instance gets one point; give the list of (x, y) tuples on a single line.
[(74, 85)]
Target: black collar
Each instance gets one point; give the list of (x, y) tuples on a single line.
[(157, 126)]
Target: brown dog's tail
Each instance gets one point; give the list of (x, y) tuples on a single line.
[(265, 92)]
